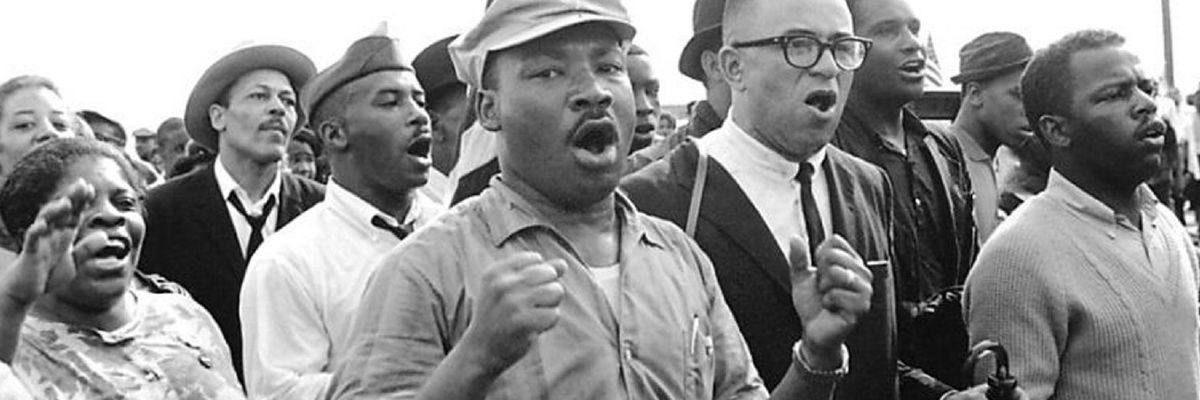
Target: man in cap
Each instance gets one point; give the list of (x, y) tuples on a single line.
[(990, 115), (934, 235), (549, 284), (171, 141), (303, 286), (1091, 286), (770, 175), (448, 106), (145, 144), (699, 61), (202, 228)]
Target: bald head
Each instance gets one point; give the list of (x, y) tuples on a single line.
[(757, 19)]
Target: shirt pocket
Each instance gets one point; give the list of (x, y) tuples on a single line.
[(698, 355)]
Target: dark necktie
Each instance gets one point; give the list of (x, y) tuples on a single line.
[(400, 231), (812, 217), (256, 223)]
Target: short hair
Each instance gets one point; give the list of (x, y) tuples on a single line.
[(1047, 84), (93, 117), (22, 82), (38, 174)]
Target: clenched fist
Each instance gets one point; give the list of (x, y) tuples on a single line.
[(830, 294), (518, 300)]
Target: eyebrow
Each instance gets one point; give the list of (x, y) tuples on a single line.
[(801, 31), (264, 86)]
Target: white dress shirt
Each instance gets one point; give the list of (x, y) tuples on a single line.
[(476, 147), (302, 289), (768, 180), (226, 184)]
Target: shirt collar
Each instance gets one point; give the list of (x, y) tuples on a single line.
[(356, 210), (227, 185), (1058, 186), (511, 214), (750, 153), (970, 148)]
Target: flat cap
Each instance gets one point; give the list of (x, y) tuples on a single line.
[(510, 23), (365, 56), (223, 73), (990, 55)]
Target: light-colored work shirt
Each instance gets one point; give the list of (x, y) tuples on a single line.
[(982, 171), (227, 185), (769, 181), (671, 336), (302, 288)]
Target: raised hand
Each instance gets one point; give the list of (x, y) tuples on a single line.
[(518, 300), (47, 254), (830, 296)]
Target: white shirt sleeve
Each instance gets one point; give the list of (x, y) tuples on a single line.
[(286, 346), (11, 388)]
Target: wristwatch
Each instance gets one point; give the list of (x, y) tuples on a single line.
[(820, 375)]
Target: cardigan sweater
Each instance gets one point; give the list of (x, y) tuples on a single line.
[(1088, 305)]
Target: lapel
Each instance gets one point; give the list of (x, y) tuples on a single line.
[(933, 146), (213, 218), (842, 195), (289, 200), (727, 208)]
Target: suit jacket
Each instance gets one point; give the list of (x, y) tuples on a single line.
[(475, 181), (190, 240), (754, 273)]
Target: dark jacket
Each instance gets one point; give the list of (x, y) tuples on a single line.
[(190, 240), (754, 273)]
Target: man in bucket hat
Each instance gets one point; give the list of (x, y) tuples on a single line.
[(304, 285), (990, 115), (201, 228), (550, 284)]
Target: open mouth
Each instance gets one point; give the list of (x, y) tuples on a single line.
[(916, 66), (117, 248), (420, 146), (595, 136), (643, 128), (822, 100), (1153, 129)]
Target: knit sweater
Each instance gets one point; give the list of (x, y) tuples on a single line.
[(1087, 305)]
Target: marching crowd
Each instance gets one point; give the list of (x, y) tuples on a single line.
[(511, 215)]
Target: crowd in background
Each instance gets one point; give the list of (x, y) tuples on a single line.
[(512, 214)]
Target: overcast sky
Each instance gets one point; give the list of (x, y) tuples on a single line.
[(136, 61)]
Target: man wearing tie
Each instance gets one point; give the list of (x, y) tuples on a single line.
[(202, 227), (304, 285)]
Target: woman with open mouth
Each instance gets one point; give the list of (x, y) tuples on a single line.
[(76, 319)]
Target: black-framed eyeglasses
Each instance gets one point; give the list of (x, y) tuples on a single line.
[(804, 51)]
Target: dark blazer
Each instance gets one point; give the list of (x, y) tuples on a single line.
[(190, 240), (754, 273)]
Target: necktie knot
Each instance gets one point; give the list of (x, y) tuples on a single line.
[(256, 223), (400, 231), (804, 175)]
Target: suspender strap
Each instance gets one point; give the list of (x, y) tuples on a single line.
[(697, 193)]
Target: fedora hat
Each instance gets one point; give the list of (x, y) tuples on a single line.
[(292, 63), (434, 68), (706, 29)]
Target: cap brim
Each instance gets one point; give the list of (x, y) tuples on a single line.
[(689, 59), (624, 30), (293, 64)]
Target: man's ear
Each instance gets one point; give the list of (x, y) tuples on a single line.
[(216, 117), (731, 67), (973, 93), (333, 134), (711, 64), (1054, 129), (487, 107)]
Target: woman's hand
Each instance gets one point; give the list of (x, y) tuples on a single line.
[(46, 260)]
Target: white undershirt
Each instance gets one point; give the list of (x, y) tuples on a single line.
[(608, 278)]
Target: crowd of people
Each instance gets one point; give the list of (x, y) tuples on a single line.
[(511, 214)]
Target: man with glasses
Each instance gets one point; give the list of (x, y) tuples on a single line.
[(768, 175)]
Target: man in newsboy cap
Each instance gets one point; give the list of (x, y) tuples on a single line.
[(990, 115), (201, 228), (303, 286), (550, 284)]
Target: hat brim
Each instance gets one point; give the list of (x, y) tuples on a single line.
[(990, 72), (689, 59), (623, 29), (292, 63)]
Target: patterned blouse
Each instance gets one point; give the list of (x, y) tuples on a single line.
[(171, 350)]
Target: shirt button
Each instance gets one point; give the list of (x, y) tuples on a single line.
[(205, 361), (628, 354)]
